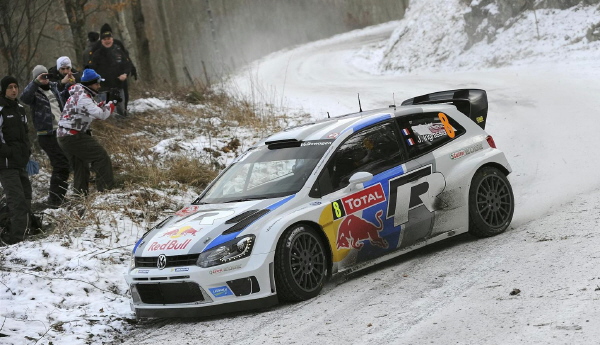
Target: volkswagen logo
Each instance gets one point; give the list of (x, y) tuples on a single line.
[(161, 262)]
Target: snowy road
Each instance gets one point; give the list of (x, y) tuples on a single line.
[(459, 291)]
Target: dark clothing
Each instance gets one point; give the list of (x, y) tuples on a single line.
[(46, 124), (17, 189), (82, 150), (15, 147), (88, 52), (60, 169), (41, 112), (56, 77), (110, 63), (14, 155)]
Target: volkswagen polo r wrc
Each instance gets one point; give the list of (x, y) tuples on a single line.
[(324, 198)]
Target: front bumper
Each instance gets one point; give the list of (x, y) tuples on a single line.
[(192, 291)]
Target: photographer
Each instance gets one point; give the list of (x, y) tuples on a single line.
[(81, 148), (47, 103)]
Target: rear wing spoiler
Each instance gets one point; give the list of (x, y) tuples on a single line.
[(471, 102)]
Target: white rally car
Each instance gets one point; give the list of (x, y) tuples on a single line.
[(327, 197)]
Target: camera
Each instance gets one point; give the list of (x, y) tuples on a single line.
[(114, 95), (46, 76)]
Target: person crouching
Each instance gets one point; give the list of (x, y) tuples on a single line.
[(81, 148)]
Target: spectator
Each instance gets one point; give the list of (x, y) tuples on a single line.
[(112, 61), (46, 104), (63, 73), (73, 134), (92, 46), (14, 151)]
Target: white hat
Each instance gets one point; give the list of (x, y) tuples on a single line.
[(63, 61)]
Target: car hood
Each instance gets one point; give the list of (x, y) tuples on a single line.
[(196, 228)]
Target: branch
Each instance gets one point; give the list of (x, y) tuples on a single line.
[(60, 278)]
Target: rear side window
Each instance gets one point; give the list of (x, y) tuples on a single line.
[(425, 132)]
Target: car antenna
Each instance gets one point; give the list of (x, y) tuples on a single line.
[(394, 100), (359, 106)]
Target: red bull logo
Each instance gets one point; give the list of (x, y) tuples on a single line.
[(186, 211), (354, 231), (182, 232), (170, 245)]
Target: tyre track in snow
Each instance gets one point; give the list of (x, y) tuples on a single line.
[(457, 291)]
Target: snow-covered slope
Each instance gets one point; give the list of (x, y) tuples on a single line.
[(536, 284)]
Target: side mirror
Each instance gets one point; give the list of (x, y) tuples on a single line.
[(359, 177)]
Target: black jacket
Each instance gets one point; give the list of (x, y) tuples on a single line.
[(110, 63), (14, 142)]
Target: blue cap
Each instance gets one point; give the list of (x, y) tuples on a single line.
[(90, 77)]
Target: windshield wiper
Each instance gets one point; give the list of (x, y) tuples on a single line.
[(242, 199)]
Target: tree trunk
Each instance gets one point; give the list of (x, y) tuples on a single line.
[(143, 45), (77, 18), (122, 26), (167, 40)]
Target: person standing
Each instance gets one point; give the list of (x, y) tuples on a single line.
[(92, 46), (81, 148), (63, 74), (46, 104), (112, 61), (15, 150)]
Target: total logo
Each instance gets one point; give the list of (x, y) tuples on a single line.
[(182, 232)]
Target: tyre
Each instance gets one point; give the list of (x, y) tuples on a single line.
[(300, 264), (491, 203)]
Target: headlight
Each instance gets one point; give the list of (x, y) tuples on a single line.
[(235, 249)]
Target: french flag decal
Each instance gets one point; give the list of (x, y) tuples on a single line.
[(410, 141), (405, 131)]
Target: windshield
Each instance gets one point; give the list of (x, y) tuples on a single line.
[(267, 172)]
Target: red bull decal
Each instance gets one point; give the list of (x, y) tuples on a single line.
[(170, 245), (188, 210), (182, 232), (354, 231), (358, 201)]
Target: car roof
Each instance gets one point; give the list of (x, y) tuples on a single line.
[(331, 128)]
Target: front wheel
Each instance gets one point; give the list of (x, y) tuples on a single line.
[(491, 203), (300, 264)]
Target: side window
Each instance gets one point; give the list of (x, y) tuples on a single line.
[(372, 150), (428, 131)]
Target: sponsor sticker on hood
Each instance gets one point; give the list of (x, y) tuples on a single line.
[(173, 241)]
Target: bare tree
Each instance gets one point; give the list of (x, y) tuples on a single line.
[(143, 44), (22, 24), (78, 12), (166, 32)]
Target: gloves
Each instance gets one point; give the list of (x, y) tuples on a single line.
[(112, 105)]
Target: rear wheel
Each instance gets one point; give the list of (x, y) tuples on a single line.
[(300, 264), (491, 203)]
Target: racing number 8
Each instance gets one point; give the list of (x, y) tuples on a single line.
[(338, 209), (447, 126)]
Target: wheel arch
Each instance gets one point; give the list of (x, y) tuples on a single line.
[(498, 166), (322, 236)]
